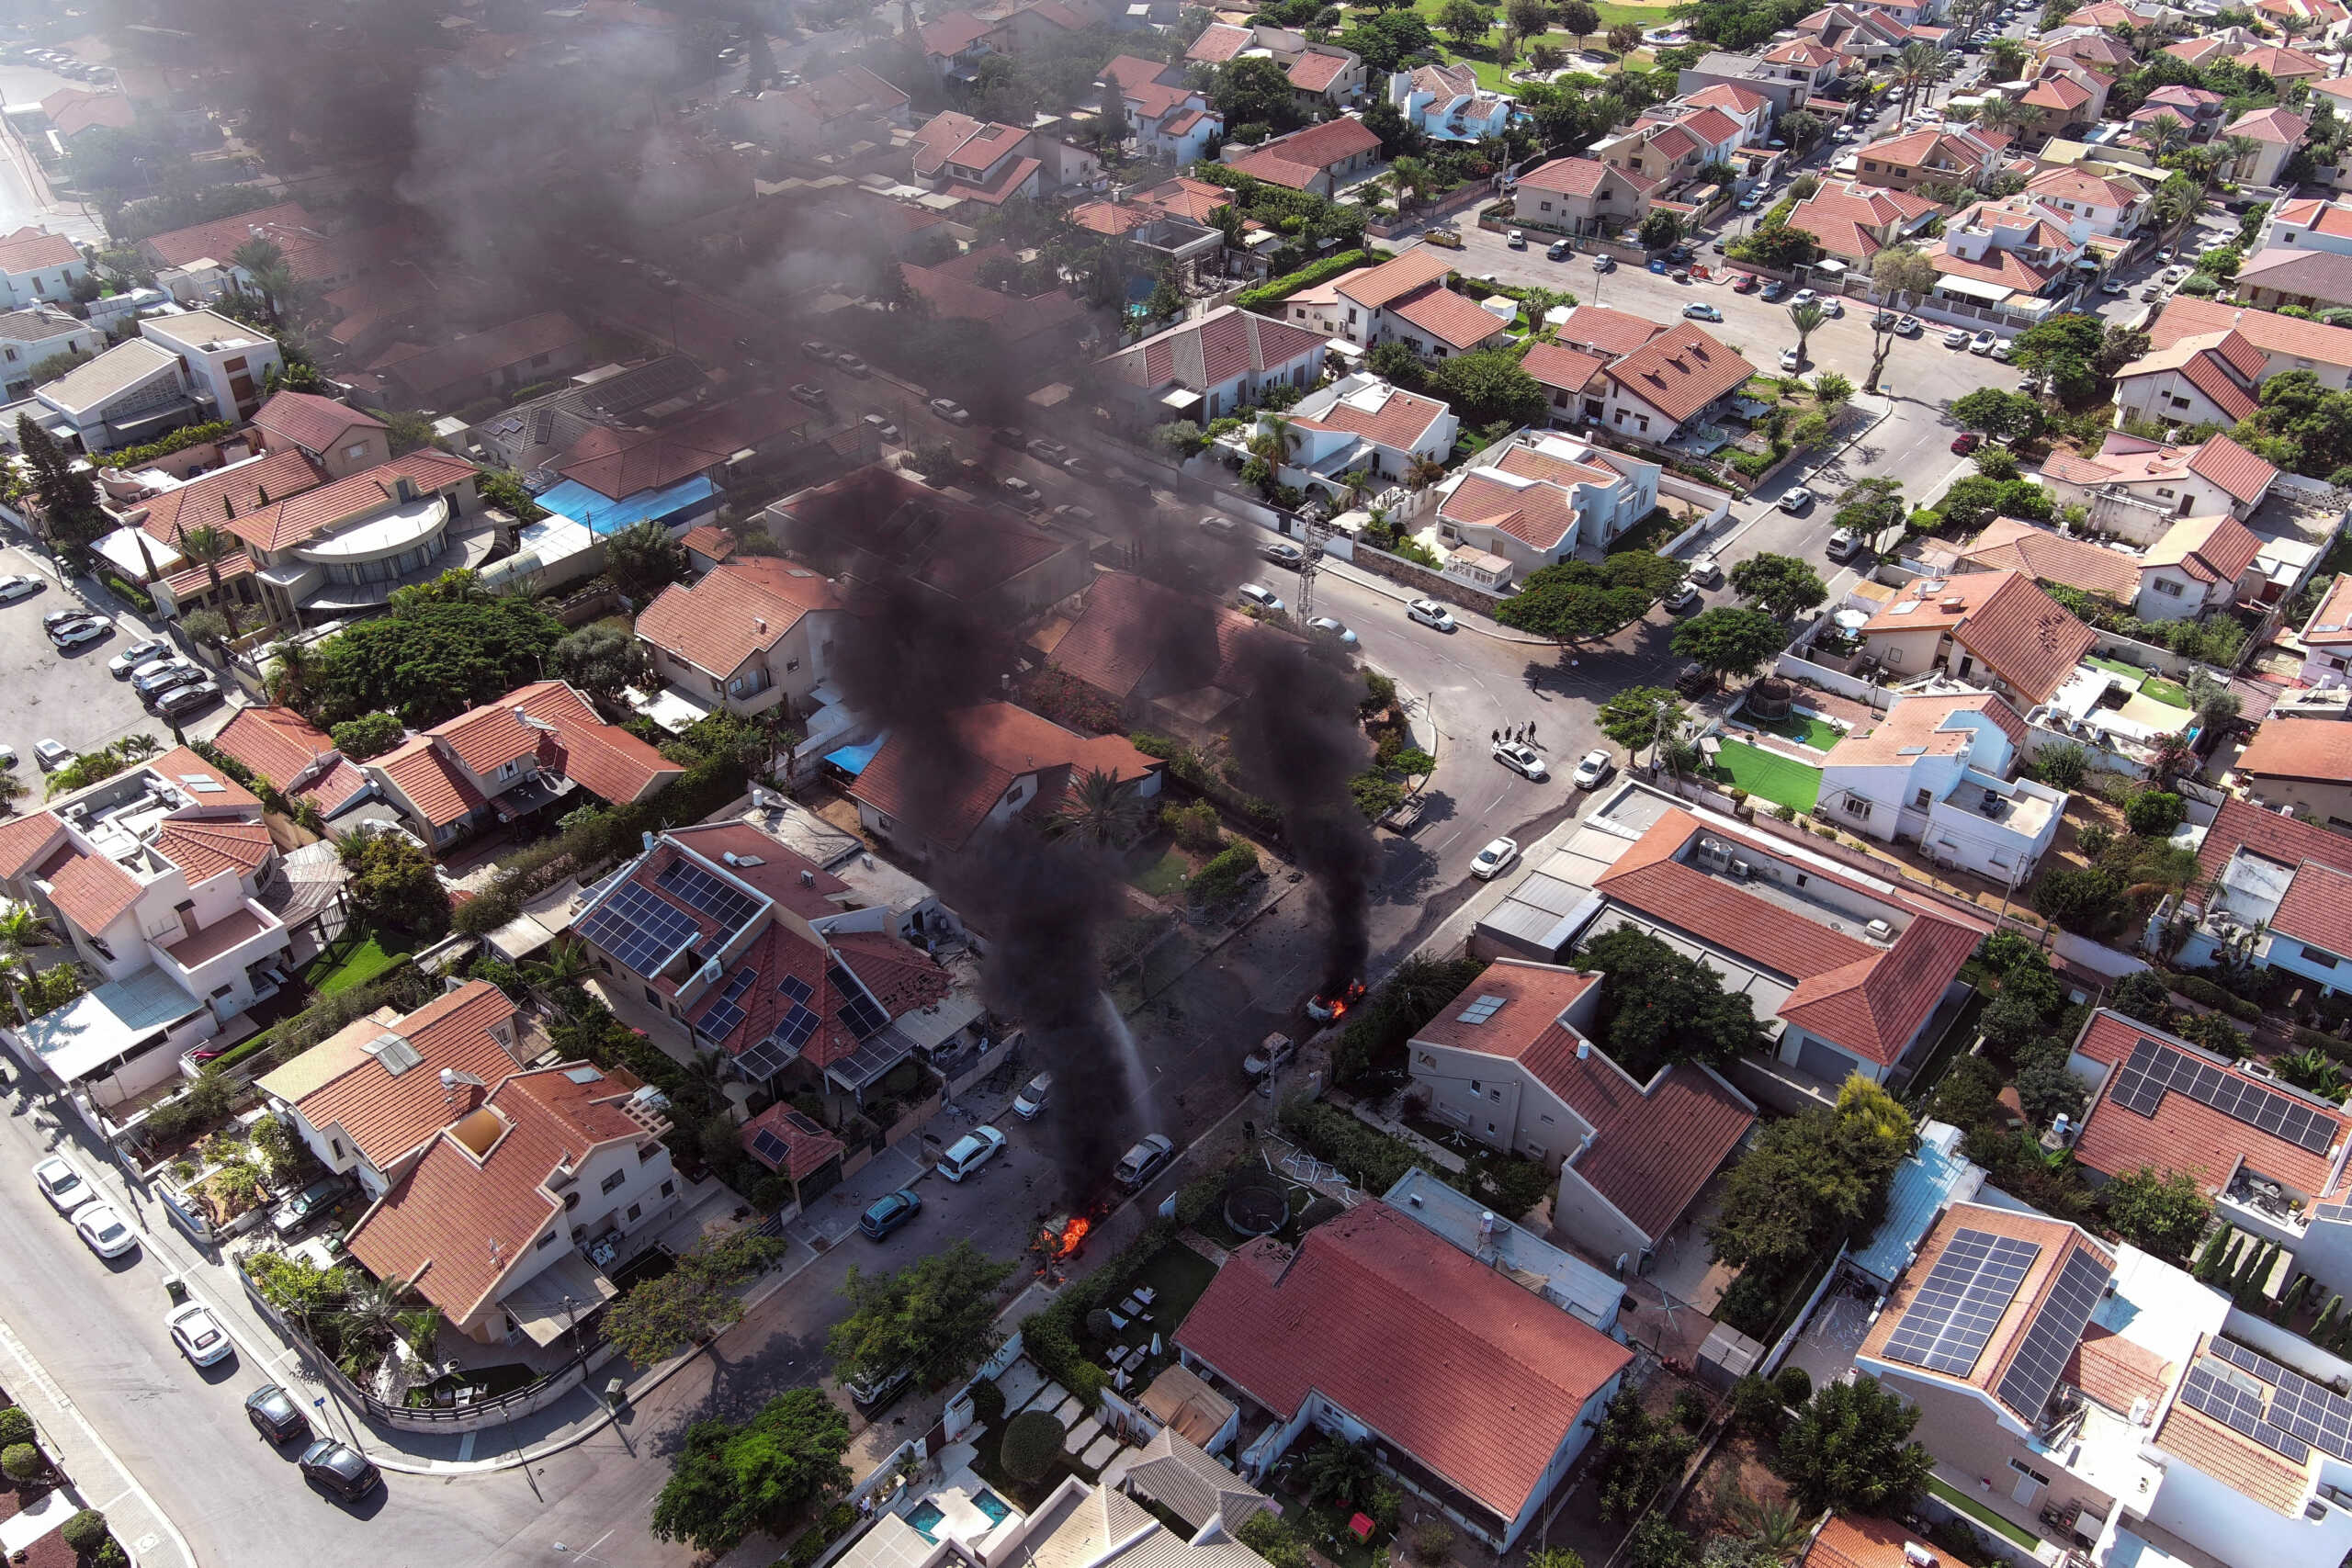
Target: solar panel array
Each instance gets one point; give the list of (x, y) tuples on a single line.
[(639, 929), (2303, 1415), (692, 885), (858, 1012), (1480, 1010), (1971, 1286), (726, 1014), (799, 990), (2153, 1069), (763, 1061), (2052, 1335), (770, 1147)]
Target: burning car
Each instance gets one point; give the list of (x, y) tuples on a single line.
[(1325, 1008), (1060, 1238)]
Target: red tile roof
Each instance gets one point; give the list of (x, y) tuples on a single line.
[(1924, 721), (2186, 1134), (940, 136), (2232, 467), (1539, 515), (2273, 835), (619, 463), (26, 841), (780, 869), (1218, 42), (2008, 545), (2281, 128), (1611, 331), (30, 251), (947, 797), (2240, 1463), (2211, 550), (737, 608), (2020, 633), (2316, 748), (1653, 1146), (484, 352), (2280, 336), (89, 890), (1317, 69), (710, 541), (386, 1114), (1454, 319), (1558, 364), (1109, 648), (806, 1146), (287, 225), (215, 499), (197, 580), (1475, 1377), (2059, 1242), (204, 849), (2116, 1371), (1296, 159), (436, 786), (1214, 349), (1374, 287), (1401, 420), (308, 420), (2317, 910), (954, 33), (1858, 1541), (179, 765), (456, 1226), (1681, 371), (1877, 1005), (283, 523)]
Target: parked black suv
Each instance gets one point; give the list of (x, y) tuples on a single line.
[(274, 1414)]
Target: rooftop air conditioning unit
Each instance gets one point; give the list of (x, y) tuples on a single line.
[(1741, 870), (1878, 931)]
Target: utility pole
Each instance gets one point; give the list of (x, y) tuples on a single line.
[(1309, 563)]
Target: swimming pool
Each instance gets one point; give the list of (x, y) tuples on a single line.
[(926, 1521), (992, 1505)]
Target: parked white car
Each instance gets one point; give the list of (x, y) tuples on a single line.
[(1033, 1097), (1259, 594), (103, 1229), (970, 1152), (200, 1336), (1430, 614), (62, 1185), (1592, 768)]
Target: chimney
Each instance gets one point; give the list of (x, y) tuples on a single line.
[(807, 879), (762, 623)]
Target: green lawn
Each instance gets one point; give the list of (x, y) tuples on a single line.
[(2165, 691), (1803, 729), (1768, 775), (1163, 878), (356, 958), (1979, 1512)]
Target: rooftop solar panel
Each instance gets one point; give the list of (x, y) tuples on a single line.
[(858, 1012), (1971, 1286), (799, 990), (768, 1147), (641, 932), (2051, 1337), (726, 1015), (2152, 1070), (2309, 1412), (763, 1061), (694, 886)]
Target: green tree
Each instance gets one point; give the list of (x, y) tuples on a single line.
[(1582, 19), (1575, 600), (643, 559), (1782, 245), (936, 1314), (1636, 1456), (1833, 391), (2158, 1212), (1100, 810), (697, 1298), (1659, 1006), (2153, 813), (601, 658), (1641, 715), (729, 1480), (71, 514), (369, 734), (22, 928), (433, 659), (1465, 21), (2002, 415), (264, 267), (1490, 388), (1387, 40), (394, 885), (2087, 901), (1780, 585), (1659, 229), (1725, 642), (1256, 92), (1806, 318), (1851, 1448), (1339, 1471), (507, 492)]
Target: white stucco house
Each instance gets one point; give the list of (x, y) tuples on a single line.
[(1447, 104), (1936, 771), (1543, 496), (1357, 423)]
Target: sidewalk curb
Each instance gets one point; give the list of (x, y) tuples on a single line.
[(1350, 572), (606, 1414), (64, 1402)]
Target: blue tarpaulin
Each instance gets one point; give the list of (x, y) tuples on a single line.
[(603, 514), (852, 759)]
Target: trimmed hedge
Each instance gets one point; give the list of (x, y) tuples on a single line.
[(2198, 989), (1306, 276), (1049, 1337), (177, 441)]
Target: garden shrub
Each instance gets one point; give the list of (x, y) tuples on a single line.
[(16, 1427), (22, 1461), (1032, 1442), (988, 1401), (84, 1532), (1793, 1385)]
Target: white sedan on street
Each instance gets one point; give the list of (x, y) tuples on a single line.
[(1495, 858), (1430, 614), (62, 1185), (1521, 759), (200, 1336), (1592, 768), (103, 1229)]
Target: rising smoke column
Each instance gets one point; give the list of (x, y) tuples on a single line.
[(1299, 742)]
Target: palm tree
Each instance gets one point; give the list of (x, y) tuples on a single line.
[(1805, 318), (2163, 134), (1340, 1470), (1920, 67), (2238, 149), (1999, 115), (1273, 444), (371, 1311), (21, 930), (209, 546), (265, 264), (1410, 173), (1423, 473), (296, 666), (566, 965), (1098, 810), (137, 746), (1778, 1530)]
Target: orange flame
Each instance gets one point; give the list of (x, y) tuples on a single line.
[(1074, 1233)]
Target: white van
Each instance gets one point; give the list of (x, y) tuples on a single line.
[(970, 1152)]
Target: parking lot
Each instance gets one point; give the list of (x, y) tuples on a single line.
[(69, 697)]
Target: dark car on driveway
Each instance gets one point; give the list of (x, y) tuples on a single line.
[(889, 1212), (340, 1469), (294, 1216), (274, 1414)]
